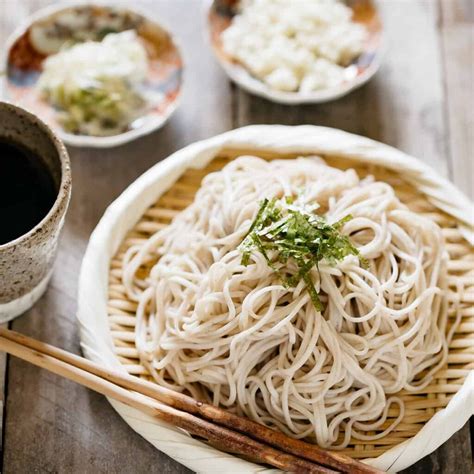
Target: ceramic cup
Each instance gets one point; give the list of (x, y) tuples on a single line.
[(26, 263)]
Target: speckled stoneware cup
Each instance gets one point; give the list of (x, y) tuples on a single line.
[(26, 263)]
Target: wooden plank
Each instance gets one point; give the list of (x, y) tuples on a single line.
[(53, 425), (457, 35), (3, 376)]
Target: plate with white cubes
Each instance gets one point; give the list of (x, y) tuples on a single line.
[(297, 52)]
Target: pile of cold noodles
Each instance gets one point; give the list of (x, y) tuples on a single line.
[(237, 336)]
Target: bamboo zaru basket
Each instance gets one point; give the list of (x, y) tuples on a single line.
[(421, 193)]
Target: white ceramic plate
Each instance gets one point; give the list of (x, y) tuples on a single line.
[(26, 50), (219, 14), (130, 206)]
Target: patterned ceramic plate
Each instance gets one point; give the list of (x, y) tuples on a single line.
[(357, 73), (47, 31)]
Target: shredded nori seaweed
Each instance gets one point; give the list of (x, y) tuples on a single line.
[(282, 231)]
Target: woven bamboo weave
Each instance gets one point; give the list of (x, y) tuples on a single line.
[(419, 406)]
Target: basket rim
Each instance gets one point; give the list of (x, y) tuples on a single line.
[(124, 212)]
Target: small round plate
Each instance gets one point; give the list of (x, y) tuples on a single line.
[(45, 33), (219, 15)]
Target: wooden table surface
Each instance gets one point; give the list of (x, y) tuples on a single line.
[(420, 102)]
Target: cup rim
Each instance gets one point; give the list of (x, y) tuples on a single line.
[(64, 191)]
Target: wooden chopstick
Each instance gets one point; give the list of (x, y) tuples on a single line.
[(221, 437), (174, 400)]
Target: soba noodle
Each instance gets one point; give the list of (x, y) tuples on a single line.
[(239, 338)]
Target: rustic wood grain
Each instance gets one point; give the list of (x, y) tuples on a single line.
[(3, 373), (457, 39), (420, 101)]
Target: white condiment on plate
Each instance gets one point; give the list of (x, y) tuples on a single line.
[(295, 45), (302, 51)]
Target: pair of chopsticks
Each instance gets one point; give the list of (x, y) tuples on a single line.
[(225, 431)]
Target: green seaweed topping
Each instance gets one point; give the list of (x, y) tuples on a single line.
[(284, 232)]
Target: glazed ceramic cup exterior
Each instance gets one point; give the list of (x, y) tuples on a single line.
[(26, 263)]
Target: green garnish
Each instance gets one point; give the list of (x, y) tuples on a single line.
[(284, 232)]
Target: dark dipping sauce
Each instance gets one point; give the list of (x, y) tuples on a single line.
[(27, 190)]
